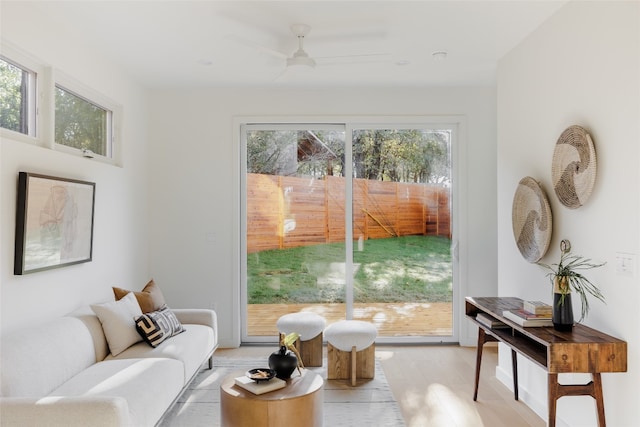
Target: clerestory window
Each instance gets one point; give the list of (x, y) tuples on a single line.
[(46, 107), (82, 123), (17, 97)]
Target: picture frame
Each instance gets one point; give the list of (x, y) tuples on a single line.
[(54, 222)]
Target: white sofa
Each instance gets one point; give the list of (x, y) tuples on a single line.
[(61, 373)]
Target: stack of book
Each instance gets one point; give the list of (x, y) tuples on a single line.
[(489, 321), (533, 314), (537, 307), (259, 387)]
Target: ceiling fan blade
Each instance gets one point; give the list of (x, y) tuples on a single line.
[(354, 59), (350, 36), (294, 74), (257, 46), (357, 56), (281, 76)]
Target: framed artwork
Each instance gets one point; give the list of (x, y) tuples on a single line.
[(54, 222)]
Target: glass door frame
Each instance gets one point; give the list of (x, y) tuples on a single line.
[(454, 123)]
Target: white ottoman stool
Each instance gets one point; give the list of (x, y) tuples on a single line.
[(310, 326), (351, 350)]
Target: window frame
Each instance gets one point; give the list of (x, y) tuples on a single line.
[(45, 79), (69, 84), (30, 95), (457, 124), (38, 74)]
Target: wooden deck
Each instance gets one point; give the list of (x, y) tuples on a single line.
[(391, 319)]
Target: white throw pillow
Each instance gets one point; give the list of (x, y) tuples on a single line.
[(118, 322)]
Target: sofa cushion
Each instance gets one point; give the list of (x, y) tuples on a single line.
[(118, 322), (72, 411), (157, 326), (150, 298), (190, 347), (36, 360), (148, 385), (93, 325)]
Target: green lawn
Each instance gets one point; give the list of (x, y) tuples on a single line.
[(398, 269)]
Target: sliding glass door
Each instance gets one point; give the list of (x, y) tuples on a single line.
[(403, 279), (349, 222), (295, 254)]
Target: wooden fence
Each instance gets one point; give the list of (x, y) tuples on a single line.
[(285, 212)]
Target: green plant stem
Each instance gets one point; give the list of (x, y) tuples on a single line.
[(569, 268)]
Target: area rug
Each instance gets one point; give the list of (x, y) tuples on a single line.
[(370, 403)]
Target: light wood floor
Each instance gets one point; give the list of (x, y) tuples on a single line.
[(391, 319), (433, 385)]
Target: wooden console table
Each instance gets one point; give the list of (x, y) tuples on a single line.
[(583, 350)]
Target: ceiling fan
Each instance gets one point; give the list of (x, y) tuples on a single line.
[(301, 59)]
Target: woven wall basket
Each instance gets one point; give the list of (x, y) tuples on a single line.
[(573, 170), (531, 219)]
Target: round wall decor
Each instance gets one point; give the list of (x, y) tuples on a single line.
[(531, 219), (573, 169)]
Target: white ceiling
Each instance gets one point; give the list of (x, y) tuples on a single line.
[(216, 43)]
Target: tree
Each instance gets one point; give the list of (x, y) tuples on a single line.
[(320, 153), (411, 155), (13, 86), (79, 123), (270, 152), (308, 153), (406, 155)]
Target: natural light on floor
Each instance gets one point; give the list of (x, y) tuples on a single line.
[(439, 406)]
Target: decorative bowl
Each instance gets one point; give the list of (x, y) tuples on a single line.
[(260, 374)]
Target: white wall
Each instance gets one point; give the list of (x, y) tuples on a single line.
[(120, 251), (580, 67), (194, 193), (193, 166)]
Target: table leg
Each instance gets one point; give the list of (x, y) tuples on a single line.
[(593, 389), (353, 366), (514, 368), (552, 397), (481, 341), (483, 338), (597, 395)]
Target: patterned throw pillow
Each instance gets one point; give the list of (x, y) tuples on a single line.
[(156, 326)]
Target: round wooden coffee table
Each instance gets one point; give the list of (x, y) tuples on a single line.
[(298, 404)]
